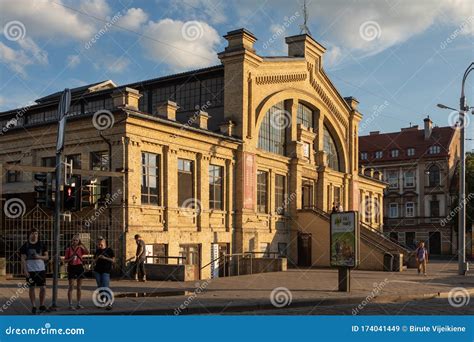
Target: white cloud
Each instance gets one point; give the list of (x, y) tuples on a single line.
[(48, 19), (29, 54), (73, 60), (133, 19), (119, 65), (212, 11), (187, 45), (97, 8), (339, 23)]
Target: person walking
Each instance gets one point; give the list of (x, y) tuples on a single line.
[(421, 258), (104, 259), (140, 259), (34, 254), (75, 269)]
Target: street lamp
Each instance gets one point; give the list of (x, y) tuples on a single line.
[(463, 267)]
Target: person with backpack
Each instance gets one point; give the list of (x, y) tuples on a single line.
[(73, 258), (421, 257), (34, 254), (104, 259)]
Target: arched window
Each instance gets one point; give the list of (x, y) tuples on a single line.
[(272, 135), (304, 116), (331, 150), (434, 175)]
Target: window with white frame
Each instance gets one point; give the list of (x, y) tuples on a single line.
[(378, 155), (393, 210), (394, 153), (410, 151), (392, 179), (409, 209), (363, 155), (435, 149), (409, 179)]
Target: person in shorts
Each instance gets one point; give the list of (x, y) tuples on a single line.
[(34, 254), (75, 269)]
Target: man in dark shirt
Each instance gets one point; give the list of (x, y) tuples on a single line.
[(34, 254), (104, 258), (140, 259)]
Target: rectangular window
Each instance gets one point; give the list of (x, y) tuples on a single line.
[(159, 251), (150, 178), (262, 192), (378, 155), (410, 209), (368, 209), (393, 210), (409, 179), (304, 116), (411, 152), (100, 161), (363, 156), (13, 176), (392, 179), (215, 187), (186, 183), (410, 239), (377, 209), (394, 153), (48, 161), (280, 204), (434, 208)]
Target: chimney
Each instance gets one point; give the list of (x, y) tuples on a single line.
[(167, 110), (374, 133), (202, 119), (428, 127), (352, 102), (226, 128), (304, 46), (126, 98), (239, 40)]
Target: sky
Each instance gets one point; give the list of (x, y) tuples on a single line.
[(398, 58)]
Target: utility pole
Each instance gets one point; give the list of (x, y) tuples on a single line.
[(63, 110)]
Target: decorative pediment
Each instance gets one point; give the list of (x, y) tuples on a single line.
[(326, 99)]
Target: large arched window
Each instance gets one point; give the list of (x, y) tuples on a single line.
[(272, 135), (331, 150), (434, 178)]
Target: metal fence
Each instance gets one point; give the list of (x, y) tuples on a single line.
[(15, 232)]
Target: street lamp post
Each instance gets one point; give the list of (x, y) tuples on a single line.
[(463, 267)]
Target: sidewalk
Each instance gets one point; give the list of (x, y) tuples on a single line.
[(307, 287)]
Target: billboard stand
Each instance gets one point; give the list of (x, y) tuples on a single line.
[(344, 246)]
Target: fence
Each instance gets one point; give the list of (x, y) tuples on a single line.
[(15, 230)]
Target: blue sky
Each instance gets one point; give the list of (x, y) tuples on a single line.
[(399, 58)]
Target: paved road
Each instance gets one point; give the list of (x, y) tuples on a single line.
[(422, 307)]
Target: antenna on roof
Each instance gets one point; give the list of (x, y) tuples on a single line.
[(304, 28)]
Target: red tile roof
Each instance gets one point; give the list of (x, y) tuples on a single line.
[(407, 138)]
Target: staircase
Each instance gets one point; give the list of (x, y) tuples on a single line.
[(374, 244)]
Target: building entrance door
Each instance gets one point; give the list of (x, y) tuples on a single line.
[(435, 243), (304, 249), (192, 255)]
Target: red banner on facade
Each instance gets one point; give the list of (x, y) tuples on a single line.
[(249, 180)]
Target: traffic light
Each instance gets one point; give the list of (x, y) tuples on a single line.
[(71, 195), (43, 190), (86, 193)]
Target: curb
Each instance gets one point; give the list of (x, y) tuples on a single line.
[(228, 308)]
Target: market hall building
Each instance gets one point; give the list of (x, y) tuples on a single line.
[(246, 156)]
